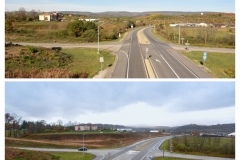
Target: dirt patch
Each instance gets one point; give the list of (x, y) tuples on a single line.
[(74, 141)]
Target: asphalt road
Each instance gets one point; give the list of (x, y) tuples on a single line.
[(130, 61), (166, 61)]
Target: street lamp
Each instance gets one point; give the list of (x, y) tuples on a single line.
[(179, 33), (98, 35), (83, 145)]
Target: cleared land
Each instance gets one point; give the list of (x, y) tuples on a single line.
[(73, 141)]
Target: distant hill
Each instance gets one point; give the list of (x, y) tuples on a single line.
[(226, 128), (129, 14)]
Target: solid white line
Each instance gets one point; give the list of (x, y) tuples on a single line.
[(102, 157), (128, 62), (183, 64), (145, 155), (169, 66)]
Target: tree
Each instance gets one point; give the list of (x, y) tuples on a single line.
[(90, 35), (77, 28), (33, 15), (12, 124), (22, 14), (89, 26), (8, 25)]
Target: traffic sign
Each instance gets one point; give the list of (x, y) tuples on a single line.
[(101, 59), (205, 54), (204, 58)]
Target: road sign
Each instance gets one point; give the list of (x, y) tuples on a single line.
[(204, 58), (205, 54), (101, 59)]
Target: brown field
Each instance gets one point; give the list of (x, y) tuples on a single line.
[(76, 140)]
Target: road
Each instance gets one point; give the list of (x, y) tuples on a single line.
[(138, 151), (140, 54), (166, 62)]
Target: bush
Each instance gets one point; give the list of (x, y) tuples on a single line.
[(90, 35)]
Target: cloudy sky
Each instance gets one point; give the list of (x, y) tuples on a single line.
[(124, 103), (122, 5)]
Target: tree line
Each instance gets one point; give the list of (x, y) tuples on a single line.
[(16, 127)]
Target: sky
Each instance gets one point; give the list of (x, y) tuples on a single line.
[(130, 103), (122, 5)]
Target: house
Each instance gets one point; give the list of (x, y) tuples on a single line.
[(45, 17), (124, 130), (85, 127), (90, 20), (201, 25), (55, 16), (154, 131), (231, 134)]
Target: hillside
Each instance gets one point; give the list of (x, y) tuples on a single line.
[(130, 14), (226, 128)]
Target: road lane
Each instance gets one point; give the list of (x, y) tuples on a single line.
[(136, 69)]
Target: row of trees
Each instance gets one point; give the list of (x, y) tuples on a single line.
[(22, 15), (207, 145), (16, 127)]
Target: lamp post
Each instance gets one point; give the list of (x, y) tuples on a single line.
[(179, 33), (83, 144), (98, 35)]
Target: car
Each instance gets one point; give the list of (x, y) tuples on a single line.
[(82, 149)]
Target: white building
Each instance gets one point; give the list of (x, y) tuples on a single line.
[(154, 131), (45, 17), (231, 134), (90, 20), (85, 127), (201, 25), (124, 129)]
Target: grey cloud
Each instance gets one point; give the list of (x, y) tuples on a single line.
[(47, 99)]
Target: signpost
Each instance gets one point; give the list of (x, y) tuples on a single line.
[(101, 60), (182, 40), (187, 44), (204, 57), (146, 52)]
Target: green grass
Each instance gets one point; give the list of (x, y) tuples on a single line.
[(87, 60), (207, 146), (169, 158), (39, 62), (73, 155), (80, 133), (219, 65)]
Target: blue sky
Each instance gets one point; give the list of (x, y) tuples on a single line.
[(122, 5), (126, 103)]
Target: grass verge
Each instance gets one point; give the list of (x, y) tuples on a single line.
[(73, 155), (87, 60), (169, 158), (219, 65), (17, 154), (39, 62)]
